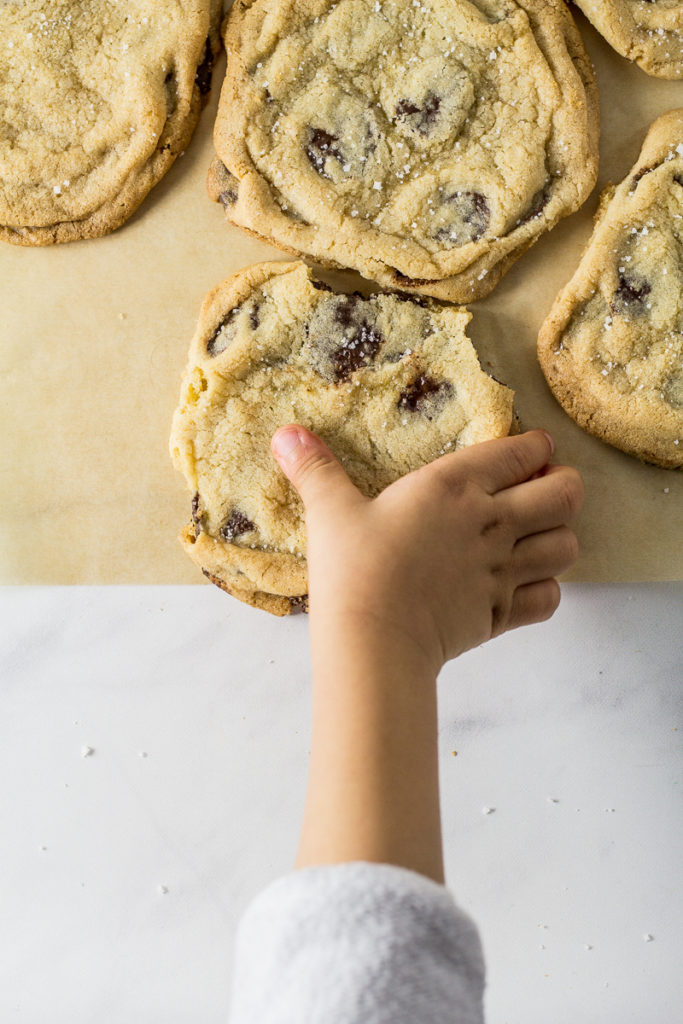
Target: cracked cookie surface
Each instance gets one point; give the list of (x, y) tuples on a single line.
[(648, 32), (388, 382), (612, 346), (426, 145), (96, 102)]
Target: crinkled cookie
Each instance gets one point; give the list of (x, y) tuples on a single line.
[(96, 101), (649, 32), (426, 145), (612, 346), (389, 382)]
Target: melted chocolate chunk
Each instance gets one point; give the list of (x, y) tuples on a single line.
[(215, 580), (196, 515), (299, 603), (343, 336), (630, 294), (321, 145), (641, 174), (203, 77), (346, 309), (357, 351), (171, 87), (417, 300), (224, 333), (538, 204), (409, 282), (236, 524), (228, 184), (426, 396), (321, 286), (254, 316), (420, 119), (228, 197), (472, 215)]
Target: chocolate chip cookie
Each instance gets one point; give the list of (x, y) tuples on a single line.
[(649, 32), (612, 346), (96, 101), (426, 145), (388, 382)]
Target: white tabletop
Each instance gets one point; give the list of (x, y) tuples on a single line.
[(153, 748)]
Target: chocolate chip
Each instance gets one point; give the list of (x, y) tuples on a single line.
[(321, 145), (471, 218), (409, 282), (299, 603), (224, 333), (630, 294), (357, 351), (228, 197), (678, 178), (631, 291), (321, 286), (203, 76), (196, 515), (235, 525), (641, 174), (254, 316), (420, 118), (343, 336), (171, 87), (417, 300), (346, 309), (538, 204), (426, 396), (228, 184), (216, 581)]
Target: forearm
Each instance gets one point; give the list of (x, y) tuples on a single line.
[(373, 791)]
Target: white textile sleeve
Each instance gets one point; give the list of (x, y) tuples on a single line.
[(357, 944)]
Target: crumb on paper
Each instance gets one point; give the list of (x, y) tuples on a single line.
[(87, 751), (163, 889), (647, 937), (552, 799), (488, 810)]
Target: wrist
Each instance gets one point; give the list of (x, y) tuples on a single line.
[(355, 641)]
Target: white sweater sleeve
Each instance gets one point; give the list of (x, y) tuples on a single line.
[(357, 944)]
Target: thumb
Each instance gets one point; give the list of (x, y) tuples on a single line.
[(310, 467)]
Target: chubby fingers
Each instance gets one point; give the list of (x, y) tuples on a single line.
[(544, 555), (507, 461), (543, 503), (533, 602)]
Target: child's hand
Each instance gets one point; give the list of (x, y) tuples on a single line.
[(445, 558)]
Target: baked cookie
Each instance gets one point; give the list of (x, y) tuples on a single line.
[(649, 32), (96, 102), (389, 383), (426, 145), (612, 346)]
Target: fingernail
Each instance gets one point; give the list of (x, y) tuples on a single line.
[(285, 442), (550, 442)]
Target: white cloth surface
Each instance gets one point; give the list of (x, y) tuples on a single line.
[(357, 944)]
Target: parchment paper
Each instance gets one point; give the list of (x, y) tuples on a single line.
[(94, 336)]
